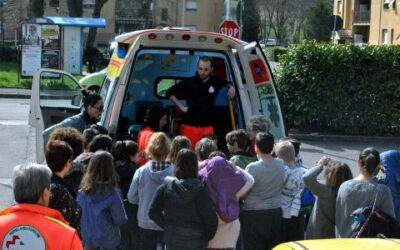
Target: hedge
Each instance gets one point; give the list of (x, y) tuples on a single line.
[(343, 89), (274, 53), (8, 54)]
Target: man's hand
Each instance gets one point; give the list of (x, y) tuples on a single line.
[(231, 92), (182, 107)]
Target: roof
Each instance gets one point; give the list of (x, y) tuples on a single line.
[(71, 21)]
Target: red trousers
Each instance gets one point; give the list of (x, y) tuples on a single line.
[(195, 133)]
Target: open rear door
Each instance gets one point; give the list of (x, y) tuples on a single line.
[(261, 87), (55, 96)]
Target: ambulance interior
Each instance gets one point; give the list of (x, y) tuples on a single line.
[(154, 71)]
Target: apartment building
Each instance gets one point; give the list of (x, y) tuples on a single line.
[(129, 15), (368, 21)]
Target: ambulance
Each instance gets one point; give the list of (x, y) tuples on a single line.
[(142, 68)]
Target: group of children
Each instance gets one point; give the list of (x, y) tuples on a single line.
[(201, 199)]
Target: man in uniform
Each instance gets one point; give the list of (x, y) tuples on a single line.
[(199, 92)]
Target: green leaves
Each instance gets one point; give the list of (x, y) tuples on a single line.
[(341, 89)]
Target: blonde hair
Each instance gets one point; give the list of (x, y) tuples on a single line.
[(158, 146), (285, 151)]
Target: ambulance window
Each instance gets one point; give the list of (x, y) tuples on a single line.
[(163, 84)]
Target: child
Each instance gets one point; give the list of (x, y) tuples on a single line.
[(261, 214), (183, 208), (237, 142), (292, 223), (179, 142), (127, 157), (101, 203), (322, 220), (361, 192), (226, 184), (144, 185)]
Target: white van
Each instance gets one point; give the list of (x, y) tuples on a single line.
[(144, 65)]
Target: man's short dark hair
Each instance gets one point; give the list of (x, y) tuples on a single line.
[(239, 136), (265, 142), (206, 59)]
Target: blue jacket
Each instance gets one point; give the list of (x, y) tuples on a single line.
[(391, 162), (102, 213)]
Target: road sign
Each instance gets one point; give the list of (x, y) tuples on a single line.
[(230, 28)]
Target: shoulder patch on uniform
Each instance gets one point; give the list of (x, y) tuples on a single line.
[(23, 237)]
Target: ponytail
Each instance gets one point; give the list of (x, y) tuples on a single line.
[(370, 160)]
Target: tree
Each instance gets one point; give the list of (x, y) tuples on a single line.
[(251, 21), (75, 8), (93, 30), (36, 8), (317, 25)]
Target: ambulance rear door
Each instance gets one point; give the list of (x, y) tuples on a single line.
[(260, 86)]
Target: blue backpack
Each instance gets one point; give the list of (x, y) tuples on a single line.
[(307, 201), (391, 162)]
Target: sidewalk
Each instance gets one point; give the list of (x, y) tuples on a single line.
[(15, 93)]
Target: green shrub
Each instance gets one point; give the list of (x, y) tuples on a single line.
[(273, 53), (8, 54), (341, 89)]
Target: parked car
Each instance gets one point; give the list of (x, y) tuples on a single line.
[(144, 65), (268, 42), (342, 244)]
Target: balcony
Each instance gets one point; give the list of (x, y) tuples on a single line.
[(361, 17)]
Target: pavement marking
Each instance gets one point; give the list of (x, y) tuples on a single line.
[(13, 122)]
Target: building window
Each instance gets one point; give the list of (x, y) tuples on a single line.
[(54, 3), (385, 37), (191, 4), (164, 14), (339, 7), (391, 36)]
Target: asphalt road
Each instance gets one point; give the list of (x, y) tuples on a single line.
[(17, 142)]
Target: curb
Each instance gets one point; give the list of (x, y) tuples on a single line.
[(15, 93), (343, 138)]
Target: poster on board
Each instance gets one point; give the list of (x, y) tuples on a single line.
[(72, 50), (31, 49), (51, 59)]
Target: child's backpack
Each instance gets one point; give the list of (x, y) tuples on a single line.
[(307, 201), (371, 222)]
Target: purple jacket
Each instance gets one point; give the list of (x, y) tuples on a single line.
[(223, 182)]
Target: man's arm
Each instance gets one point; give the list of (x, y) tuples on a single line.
[(175, 100)]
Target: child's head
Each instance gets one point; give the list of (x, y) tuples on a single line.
[(158, 146), (186, 164), (336, 173), (58, 154), (178, 143), (70, 135), (369, 161), (100, 171), (296, 144), (285, 151), (237, 140), (264, 143), (101, 142), (204, 148), (212, 137), (126, 151)]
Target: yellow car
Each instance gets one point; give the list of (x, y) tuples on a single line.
[(342, 244)]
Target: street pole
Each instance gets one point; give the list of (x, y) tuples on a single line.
[(183, 12), (2, 21), (228, 10)]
